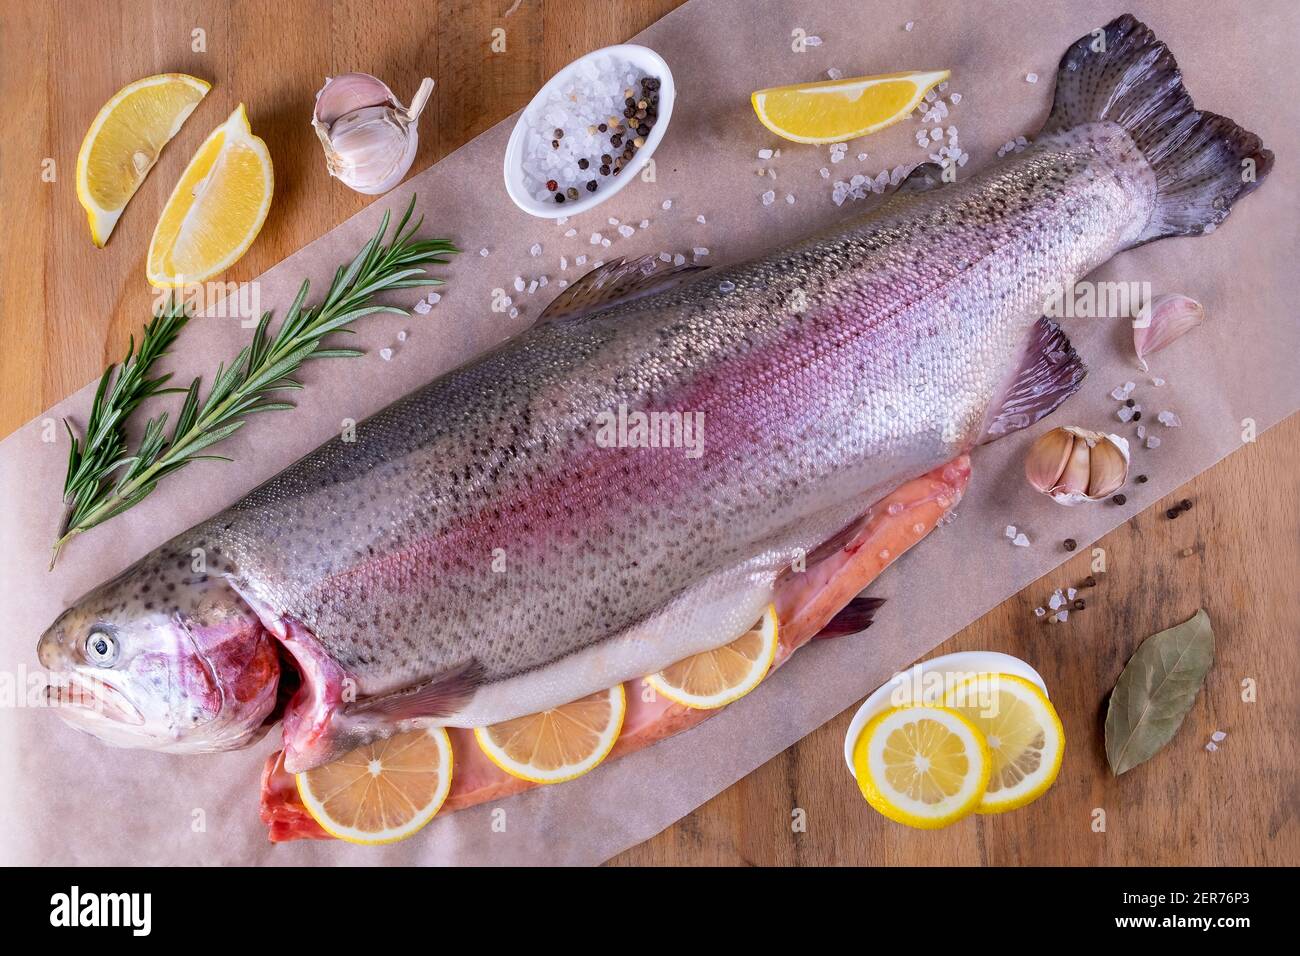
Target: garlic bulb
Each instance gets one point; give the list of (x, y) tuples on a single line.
[(1165, 319), (369, 137), (1074, 465)]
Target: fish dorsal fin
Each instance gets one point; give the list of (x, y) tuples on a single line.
[(614, 283), (1049, 373), (921, 179)]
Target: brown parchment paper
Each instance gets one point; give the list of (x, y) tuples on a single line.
[(65, 798)]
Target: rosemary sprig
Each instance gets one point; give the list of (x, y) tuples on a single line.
[(105, 480)]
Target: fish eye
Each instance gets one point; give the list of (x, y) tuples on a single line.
[(101, 647)]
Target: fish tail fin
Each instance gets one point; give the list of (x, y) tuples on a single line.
[(1203, 162)]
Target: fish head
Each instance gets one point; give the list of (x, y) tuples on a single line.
[(171, 661)]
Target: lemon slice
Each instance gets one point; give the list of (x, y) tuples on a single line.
[(559, 744), (1023, 732), (836, 110), (381, 792), (124, 141), (926, 767), (715, 678), (217, 208)]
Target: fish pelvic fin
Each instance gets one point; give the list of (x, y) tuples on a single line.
[(439, 696), (1203, 162), (1050, 371), (856, 616), (616, 283)]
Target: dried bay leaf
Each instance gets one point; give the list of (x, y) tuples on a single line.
[(1156, 690)]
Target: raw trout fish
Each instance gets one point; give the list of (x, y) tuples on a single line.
[(492, 546)]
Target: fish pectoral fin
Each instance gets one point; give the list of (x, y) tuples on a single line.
[(921, 179), (615, 283), (1050, 371), (854, 617), (439, 696)]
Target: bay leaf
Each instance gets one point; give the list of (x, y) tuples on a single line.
[(1156, 690)]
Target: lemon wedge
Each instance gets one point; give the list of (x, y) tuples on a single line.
[(1023, 732), (715, 678), (559, 744), (381, 792), (217, 208), (926, 767), (835, 110), (124, 141)]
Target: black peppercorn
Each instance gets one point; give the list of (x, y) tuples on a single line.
[(591, 185), (1185, 504), (643, 130), (1079, 604), (629, 112), (1137, 416), (1130, 403), (604, 169), (1119, 499), (606, 159), (583, 163), (603, 128), (559, 197), (1070, 544), (1141, 479)]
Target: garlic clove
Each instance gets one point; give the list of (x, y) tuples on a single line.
[(1047, 458), (1074, 465), (1165, 319), (369, 137)]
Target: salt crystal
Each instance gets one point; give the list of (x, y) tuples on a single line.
[(1062, 615), (699, 252), (665, 257), (514, 313), (564, 263), (679, 259), (1158, 382), (562, 283), (812, 41), (595, 238), (835, 74), (1152, 441), (1141, 432), (908, 26), (1039, 612), (701, 220), (1124, 414), (645, 224), (562, 220), (1057, 600), (570, 233), (1169, 419), (667, 204), (825, 173), (762, 154), (612, 221), (386, 354), (483, 252), (519, 283), (769, 197), (1010, 532), (936, 134), (1031, 77), (433, 298), (532, 287), (1020, 540), (771, 173), (1211, 746), (401, 336), (1071, 592), (625, 231), (956, 98), (1218, 736), (542, 282), (726, 285), (535, 250), (862, 157), (604, 243), (580, 261), (789, 198), (1121, 392), (422, 307)]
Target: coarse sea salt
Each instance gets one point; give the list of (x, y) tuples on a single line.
[(701, 220), (1010, 531), (1021, 540), (402, 335), (483, 252), (1169, 419), (625, 231), (535, 250), (386, 354), (699, 252), (769, 197), (422, 307), (592, 95), (1031, 77)]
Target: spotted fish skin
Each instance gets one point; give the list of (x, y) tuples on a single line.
[(480, 552)]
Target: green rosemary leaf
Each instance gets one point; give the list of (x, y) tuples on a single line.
[(105, 478)]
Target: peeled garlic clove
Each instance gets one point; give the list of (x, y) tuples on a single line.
[(1074, 465), (369, 137), (1165, 319)]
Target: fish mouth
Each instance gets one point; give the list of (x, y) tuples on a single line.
[(85, 693)]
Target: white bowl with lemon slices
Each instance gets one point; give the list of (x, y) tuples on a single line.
[(964, 733)]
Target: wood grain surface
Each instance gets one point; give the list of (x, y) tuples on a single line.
[(67, 308)]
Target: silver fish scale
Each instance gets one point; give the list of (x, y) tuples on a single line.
[(833, 371)]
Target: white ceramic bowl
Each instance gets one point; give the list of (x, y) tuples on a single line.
[(643, 59), (965, 662)]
